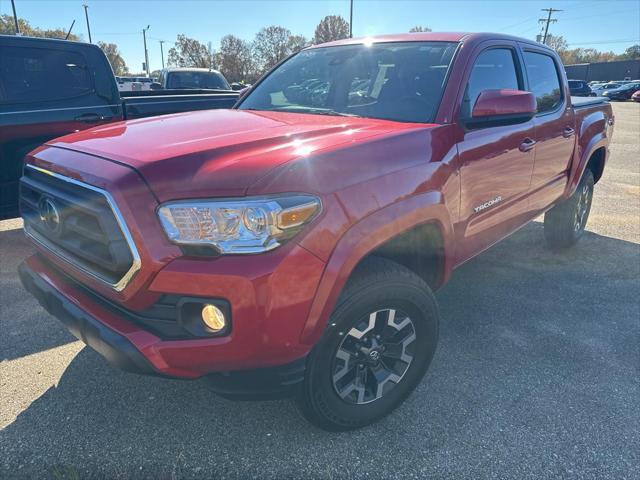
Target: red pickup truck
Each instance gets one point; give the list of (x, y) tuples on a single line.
[(291, 245)]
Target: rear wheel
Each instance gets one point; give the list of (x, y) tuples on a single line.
[(564, 224), (380, 342)]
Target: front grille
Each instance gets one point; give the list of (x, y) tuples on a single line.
[(79, 223)]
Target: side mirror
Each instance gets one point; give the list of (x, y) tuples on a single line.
[(237, 86), (155, 86), (502, 107)]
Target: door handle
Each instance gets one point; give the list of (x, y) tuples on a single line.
[(568, 132), (90, 118), (527, 144)]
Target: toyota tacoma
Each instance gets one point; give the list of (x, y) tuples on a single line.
[(291, 245)]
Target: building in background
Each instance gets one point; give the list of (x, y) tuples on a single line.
[(605, 71)]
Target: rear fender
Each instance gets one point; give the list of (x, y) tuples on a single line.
[(594, 133), (600, 140), (363, 238)]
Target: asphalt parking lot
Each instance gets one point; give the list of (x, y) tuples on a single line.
[(537, 375)]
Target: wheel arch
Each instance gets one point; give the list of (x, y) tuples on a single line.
[(597, 146), (392, 232)]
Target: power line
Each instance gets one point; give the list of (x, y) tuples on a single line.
[(518, 24), (548, 20), (601, 42)]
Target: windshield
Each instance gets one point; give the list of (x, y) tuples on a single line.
[(400, 81), (207, 80)]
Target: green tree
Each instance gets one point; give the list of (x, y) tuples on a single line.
[(7, 27), (330, 28), (118, 64)]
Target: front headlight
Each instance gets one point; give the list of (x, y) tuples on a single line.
[(249, 225)]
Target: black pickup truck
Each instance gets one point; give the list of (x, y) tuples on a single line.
[(50, 88)]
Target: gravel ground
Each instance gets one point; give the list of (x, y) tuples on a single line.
[(536, 376)]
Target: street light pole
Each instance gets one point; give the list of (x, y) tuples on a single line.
[(351, 20), (162, 53), (15, 17), (86, 15), (146, 52)]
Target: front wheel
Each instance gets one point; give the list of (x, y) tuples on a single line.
[(380, 342), (564, 224)]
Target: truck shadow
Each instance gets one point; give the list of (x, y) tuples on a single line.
[(526, 333), (25, 327)]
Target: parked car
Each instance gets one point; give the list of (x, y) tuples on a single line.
[(600, 89), (578, 88), (292, 245), (622, 93), (191, 78), (636, 96), (50, 88), (128, 84)]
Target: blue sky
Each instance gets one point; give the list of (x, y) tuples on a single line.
[(605, 25)]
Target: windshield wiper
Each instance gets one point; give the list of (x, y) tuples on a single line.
[(315, 111)]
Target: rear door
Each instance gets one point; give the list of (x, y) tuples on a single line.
[(496, 161), (554, 126)]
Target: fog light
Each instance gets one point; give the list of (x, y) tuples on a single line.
[(213, 318)]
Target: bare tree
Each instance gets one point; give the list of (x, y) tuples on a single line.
[(235, 59), (297, 43), (271, 45), (418, 29), (189, 52), (330, 28), (118, 65), (557, 42)]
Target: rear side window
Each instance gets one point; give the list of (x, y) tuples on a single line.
[(544, 81), (38, 74), (494, 69)]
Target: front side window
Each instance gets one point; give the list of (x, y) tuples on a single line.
[(38, 74), (494, 69), (400, 81), (544, 81)]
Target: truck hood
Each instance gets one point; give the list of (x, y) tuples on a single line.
[(220, 152)]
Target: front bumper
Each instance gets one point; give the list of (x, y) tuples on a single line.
[(134, 349), (114, 347)]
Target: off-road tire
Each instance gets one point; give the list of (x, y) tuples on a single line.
[(375, 285), (564, 224)]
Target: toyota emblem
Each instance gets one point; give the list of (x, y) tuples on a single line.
[(49, 214)]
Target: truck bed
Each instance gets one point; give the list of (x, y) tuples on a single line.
[(160, 102), (580, 102)]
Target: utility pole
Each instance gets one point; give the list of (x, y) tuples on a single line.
[(162, 53), (351, 20), (86, 15), (15, 17), (548, 20), (146, 52)]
